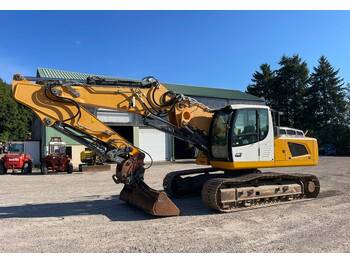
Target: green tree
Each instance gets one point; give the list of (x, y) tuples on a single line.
[(284, 89), (347, 97), (289, 90), (326, 97), (262, 85), (15, 120), (327, 107)]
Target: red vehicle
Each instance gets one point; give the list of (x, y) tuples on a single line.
[(16, 159), (57, 159)]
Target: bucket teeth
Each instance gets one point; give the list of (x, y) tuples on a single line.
[(154, 202)]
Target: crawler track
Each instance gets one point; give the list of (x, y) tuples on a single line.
[(248, 191), (238, 190), (183, 184)]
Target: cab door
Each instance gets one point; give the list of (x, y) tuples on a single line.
[(220, 140), (245, 142), (266, 136)]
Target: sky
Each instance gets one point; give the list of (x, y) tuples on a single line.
[(205, 48)]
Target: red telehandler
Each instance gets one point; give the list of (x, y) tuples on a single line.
[(16, 159), (57, 160)]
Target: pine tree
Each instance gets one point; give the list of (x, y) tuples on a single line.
[(283, 89), (327, 107), (262, 83), (347, 99), (326, 96), (289, 90)]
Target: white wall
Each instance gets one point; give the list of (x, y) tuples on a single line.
[(76, 150), (153, 142)]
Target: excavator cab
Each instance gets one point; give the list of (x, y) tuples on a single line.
[(243, 137), (240, 133)]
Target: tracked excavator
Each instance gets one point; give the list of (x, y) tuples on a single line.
[(232, 143)]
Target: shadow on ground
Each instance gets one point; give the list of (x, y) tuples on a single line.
[(111, 207), (36, 173)]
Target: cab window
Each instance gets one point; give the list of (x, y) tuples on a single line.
[(250, 126), (291, 132), (263, 123), (245, 128)]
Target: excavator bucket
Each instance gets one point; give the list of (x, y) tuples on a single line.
[(154, 202)]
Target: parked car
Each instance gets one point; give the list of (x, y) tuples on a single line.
[(328, 150)]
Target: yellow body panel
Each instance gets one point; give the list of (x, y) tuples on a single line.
[(283, 156)]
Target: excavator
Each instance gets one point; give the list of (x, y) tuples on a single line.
[(233, 143)]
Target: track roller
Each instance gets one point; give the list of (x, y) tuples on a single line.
[(248, 191)]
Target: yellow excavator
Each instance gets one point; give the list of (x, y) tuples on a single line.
[(233, 142)]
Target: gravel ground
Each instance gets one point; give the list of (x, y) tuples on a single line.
[(82, 213)]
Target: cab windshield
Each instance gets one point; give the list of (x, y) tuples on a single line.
[(58, 149), (16, 148), (219, 135)]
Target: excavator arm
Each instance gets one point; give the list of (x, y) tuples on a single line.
[(65, 105)]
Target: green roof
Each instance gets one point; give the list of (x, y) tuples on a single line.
[(211, 92), (177, 88)]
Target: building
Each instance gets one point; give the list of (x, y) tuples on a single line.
[(159, 145)]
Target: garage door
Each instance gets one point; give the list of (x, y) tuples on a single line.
[(153, 142)]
